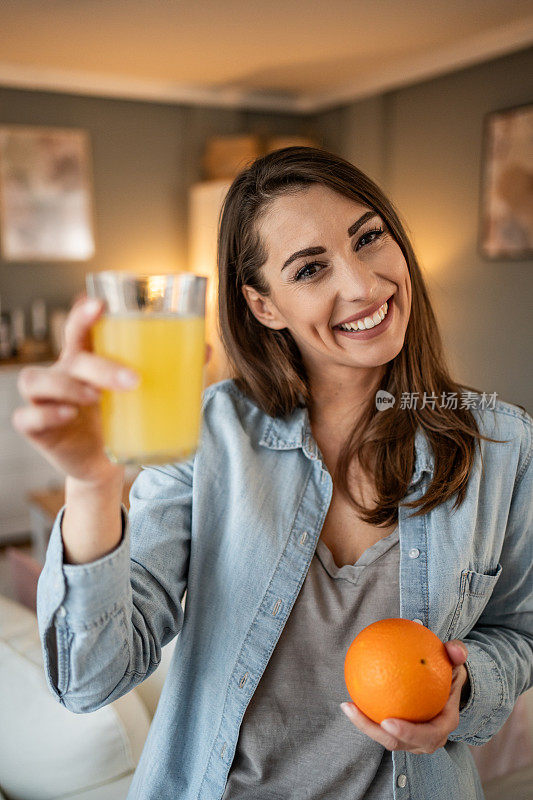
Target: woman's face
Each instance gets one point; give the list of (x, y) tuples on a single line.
[(350, 267)]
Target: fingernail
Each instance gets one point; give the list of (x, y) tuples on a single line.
[(390, 726), (91, 307), (127, 379), (347, 708)]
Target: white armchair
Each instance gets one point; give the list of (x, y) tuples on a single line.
[(47, 752)]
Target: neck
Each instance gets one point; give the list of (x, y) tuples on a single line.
[(338, 403)]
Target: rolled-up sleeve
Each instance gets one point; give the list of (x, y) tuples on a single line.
[(500, 646), (102, 625)]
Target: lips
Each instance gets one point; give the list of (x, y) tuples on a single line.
[(375, 331), (366, 313)]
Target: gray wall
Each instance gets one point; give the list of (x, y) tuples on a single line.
[(422, 144), (145, 156)]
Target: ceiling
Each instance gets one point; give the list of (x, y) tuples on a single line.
[(287, 55)]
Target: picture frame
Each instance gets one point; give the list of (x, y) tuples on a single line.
[(506, 197), (46, 205)]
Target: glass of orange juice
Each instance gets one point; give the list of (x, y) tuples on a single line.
[(154, 324)]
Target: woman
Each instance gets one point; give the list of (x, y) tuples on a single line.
[(291, 529)]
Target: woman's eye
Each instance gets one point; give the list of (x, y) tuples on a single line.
[(369, 237), (302, 273)]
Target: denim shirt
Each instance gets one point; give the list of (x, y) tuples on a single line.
[(236, 528)]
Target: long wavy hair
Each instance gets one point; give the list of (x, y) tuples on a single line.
[(267, 366)]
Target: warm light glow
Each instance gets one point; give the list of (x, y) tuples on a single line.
[(205, 201), (440, 255), (156, 286)]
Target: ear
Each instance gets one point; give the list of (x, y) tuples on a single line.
[(263, 309)]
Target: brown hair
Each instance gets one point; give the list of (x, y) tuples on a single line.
[(267, 366)]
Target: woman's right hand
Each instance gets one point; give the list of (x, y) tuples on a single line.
[(62, 418)]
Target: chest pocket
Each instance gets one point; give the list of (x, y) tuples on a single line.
[(474, 592)]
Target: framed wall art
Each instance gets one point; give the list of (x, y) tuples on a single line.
[(45, 194), (506, 229)]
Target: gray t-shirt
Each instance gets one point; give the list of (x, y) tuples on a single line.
[(295, 743)]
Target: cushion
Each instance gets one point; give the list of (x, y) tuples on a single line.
[(511, 749), (47, 751), (24, 571), (514, 786)]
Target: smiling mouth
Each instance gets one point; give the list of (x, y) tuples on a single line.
[(367, 323)]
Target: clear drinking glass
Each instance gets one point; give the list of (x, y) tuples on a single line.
[(154, 324)]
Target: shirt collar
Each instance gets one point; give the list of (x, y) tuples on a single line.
[(294, 430)]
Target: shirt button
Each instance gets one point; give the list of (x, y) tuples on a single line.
[(61, 612), (414, 553), (419, 621), (402, 781)]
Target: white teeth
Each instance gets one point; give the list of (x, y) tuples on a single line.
[(368, 322)]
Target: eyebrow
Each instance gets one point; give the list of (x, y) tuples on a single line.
[(316, 251)]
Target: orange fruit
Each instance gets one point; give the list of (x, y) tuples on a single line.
[(398, 668)]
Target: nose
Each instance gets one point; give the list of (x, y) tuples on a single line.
[(356, 283)]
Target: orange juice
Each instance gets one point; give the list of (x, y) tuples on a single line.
[(159, 420)]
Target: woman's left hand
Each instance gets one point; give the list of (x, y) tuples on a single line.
[(420, 737)]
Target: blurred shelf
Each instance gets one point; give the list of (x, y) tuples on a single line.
[(45, 358)]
